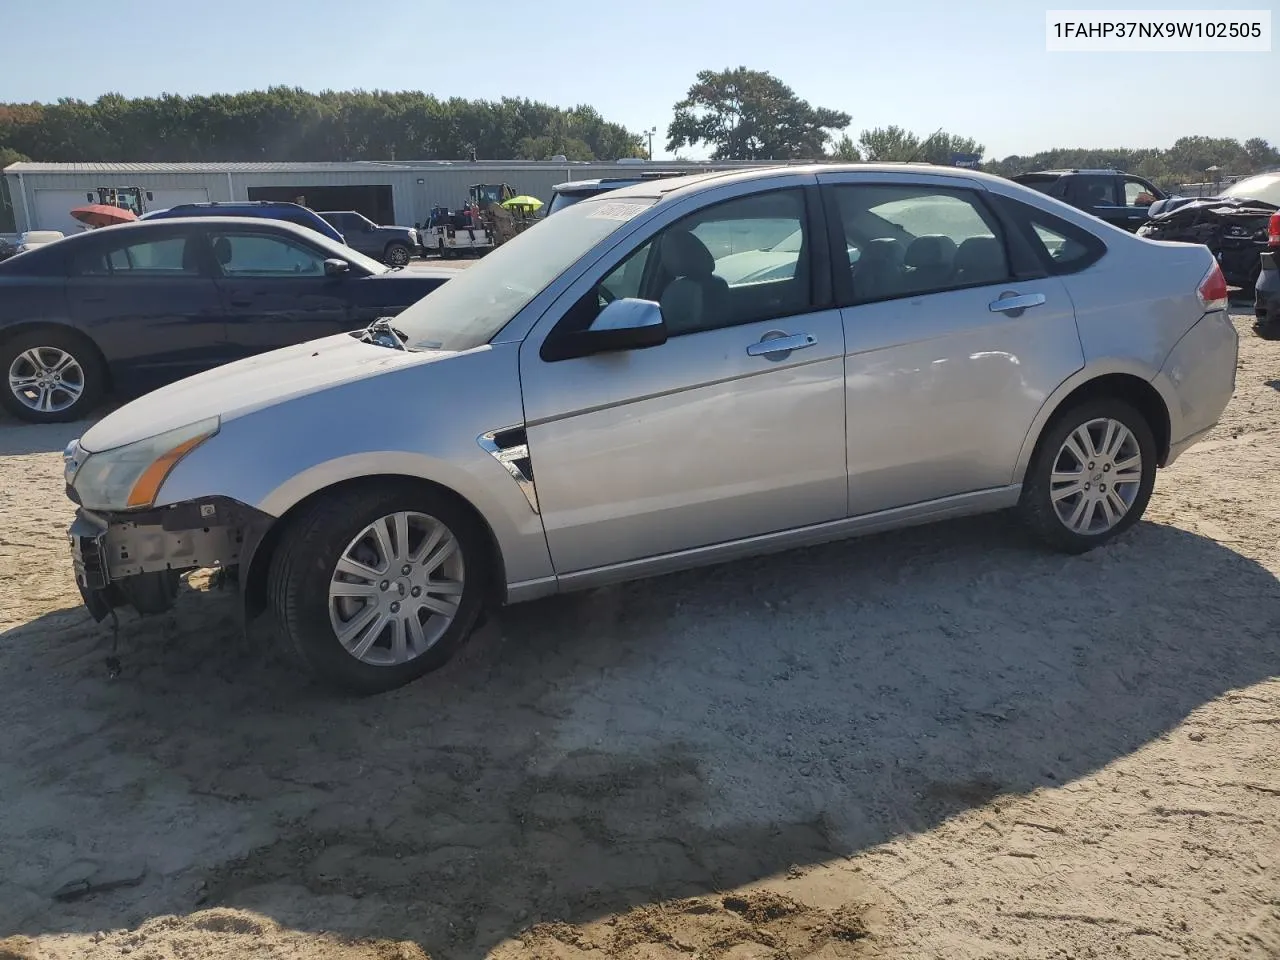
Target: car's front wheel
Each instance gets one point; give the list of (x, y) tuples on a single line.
[(51, 376), (374, 586), (397, 254), (1091, 477)]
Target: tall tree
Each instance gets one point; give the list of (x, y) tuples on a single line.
[(845, 150), (751, 115)]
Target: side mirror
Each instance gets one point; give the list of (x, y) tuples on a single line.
[(626, 324), (336, 268)]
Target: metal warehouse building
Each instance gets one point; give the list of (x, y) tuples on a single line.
[(43, 194)]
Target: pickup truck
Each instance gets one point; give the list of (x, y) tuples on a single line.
[(394, 246)]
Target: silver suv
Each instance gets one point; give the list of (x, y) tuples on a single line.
[(668, 375)]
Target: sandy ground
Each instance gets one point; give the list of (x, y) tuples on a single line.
[(943, 743)]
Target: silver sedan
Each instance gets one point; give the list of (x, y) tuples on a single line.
[(661, 377)]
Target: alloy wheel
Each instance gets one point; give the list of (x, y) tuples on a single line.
[(396, 588), (46, 379), (1096, 476)]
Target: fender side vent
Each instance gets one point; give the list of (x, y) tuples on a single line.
[(510, 448)]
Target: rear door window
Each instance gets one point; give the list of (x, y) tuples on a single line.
[(914, 239), (168, 257), (1092, 190)]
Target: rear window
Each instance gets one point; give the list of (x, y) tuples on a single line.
[(1062, 247), (1051, 184), (1264, 187), (562, 200)]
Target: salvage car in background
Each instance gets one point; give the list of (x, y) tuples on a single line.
[(1266, 295), (392, 245), (1121, 199), (1233, 225), (595, 402), (131, 307), (260, 209)]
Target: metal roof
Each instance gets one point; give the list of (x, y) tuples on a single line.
[(359, 166)]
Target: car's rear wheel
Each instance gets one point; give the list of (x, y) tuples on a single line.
[(1267, 330), (51, 376), (396, 254), (1091, 476), (374, 587)]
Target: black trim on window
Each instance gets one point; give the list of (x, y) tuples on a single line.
[(838, 267), (1024, 217), (818, 240)]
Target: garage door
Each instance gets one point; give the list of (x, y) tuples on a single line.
[(51, 210)]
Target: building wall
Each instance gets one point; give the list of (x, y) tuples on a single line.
[(441, 184)]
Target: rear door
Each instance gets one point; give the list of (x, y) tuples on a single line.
[(147, 296), (955, 335), (275, 290)]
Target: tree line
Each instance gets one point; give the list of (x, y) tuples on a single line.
[(733, 114), (290, 124)]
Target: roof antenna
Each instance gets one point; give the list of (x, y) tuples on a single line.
[(920, 149)]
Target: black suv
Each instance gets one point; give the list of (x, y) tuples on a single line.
[(392, 245), (1119, 198)]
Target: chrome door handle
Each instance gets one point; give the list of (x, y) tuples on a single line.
[(1019, 303), (772, 343)]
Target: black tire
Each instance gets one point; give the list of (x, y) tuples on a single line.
[(1267, 331), (304, 564), (44, 340), (1036, 505), (397, 254)]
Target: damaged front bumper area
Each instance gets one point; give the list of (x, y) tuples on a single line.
[(135, 559)]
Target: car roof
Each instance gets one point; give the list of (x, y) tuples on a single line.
[(673, 186), (239, 223), (1067, 173), (601, 184)]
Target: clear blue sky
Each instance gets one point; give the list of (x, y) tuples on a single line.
[(978, 69)]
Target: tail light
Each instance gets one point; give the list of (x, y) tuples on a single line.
[(1213, 289), (1273, 230)]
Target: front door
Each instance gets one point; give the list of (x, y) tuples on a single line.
[(151, 305), (276, 291), (732, 428), (956, 336)]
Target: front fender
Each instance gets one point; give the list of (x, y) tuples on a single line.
[(421, 421)]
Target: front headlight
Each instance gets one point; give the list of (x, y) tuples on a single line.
[(129, 477)]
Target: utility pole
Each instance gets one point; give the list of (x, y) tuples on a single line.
[(649, 133)]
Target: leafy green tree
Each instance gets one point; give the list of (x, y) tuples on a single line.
[(287, 123), (894, 144), (751, 115), (891, 143), (845, 150)]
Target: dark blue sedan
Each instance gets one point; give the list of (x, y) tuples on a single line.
[(129, 308)]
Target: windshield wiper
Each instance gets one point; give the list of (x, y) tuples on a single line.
[(384, 334)]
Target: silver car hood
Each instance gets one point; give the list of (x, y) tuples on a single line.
[(240, 387)]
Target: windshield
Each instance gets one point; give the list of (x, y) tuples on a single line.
[(1264, 187), (561, 200), (471, 308)]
